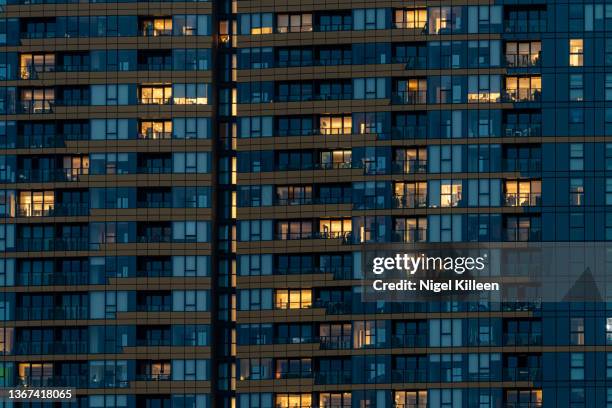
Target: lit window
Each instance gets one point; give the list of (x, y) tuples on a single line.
[(483, 88), (38, 100), (609, 330), (335, 125), (417, 399), (36, 203), (335, 228), (157, 27), (411, 91), (6, 340), (519, 89), (155, 94), (30, 65), (294, 23), (293, 298), (410, 195), (576, 191), (576, 53), (160, 129), (520, 193), (577, 331), (450, 193), (336, 159), (411, 18), (190, 94), (293, 400)]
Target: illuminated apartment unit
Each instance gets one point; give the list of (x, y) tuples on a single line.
[(188, 187)]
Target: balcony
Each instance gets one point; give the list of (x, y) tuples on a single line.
[(409, 97), (522, 199)]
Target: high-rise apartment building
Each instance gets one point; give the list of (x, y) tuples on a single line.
[(187, 189)]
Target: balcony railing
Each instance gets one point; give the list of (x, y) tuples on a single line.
[(525, 26), (523, 95), (36, 106), (154, 204), (51, 175), (409, 132), (523, 339), (335, 342), (52, 313), (409, 340), (523, 130), (335, 308), (409, 166), (523, 405), (410, 201), (57, 210), (409, 235), (333, 378), (522, 374), (522, 60), (334, 27), (63, 347), (409, 376), (409, 97), (34, 71), (412, 62), (53, 278), (52, 244), (522, 199), (155, 135), (522, 165), (155, 67), (522, 234)]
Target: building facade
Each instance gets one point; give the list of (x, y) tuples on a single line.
[(187, 189)]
